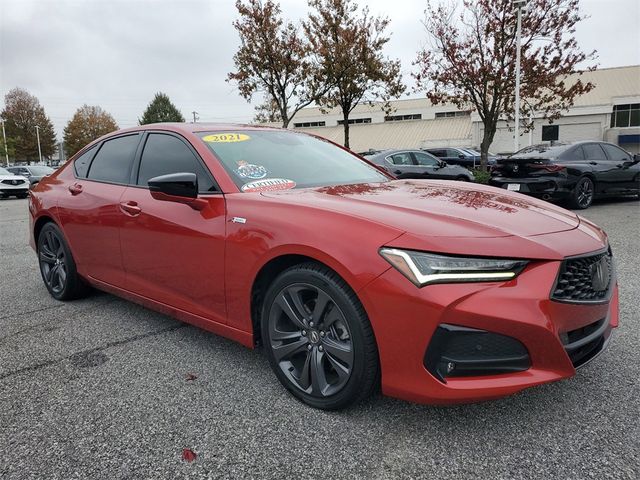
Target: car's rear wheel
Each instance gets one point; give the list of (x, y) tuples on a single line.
[(318, 338), (57, 265), (462, 178), (583, 193)]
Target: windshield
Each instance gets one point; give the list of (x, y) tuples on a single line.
[(5, 172), (39, 171), (263, 160)]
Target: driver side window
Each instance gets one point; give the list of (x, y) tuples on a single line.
[(426, 160), (165, 154)]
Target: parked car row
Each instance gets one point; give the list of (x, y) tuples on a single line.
[(16, 181), (576, 173), (34, 173)]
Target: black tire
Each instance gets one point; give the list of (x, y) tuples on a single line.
[(57, 266), (582, 194), (462, 178), (332, 362)]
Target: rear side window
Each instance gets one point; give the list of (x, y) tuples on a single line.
[(81, 164), (616, 154), (165, 154), (113, 161), (401, 159), (593, 151), (575, 154), (438, 153)]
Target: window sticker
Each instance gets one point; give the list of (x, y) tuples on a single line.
[(251, 171), (226, 138), (268, 185)]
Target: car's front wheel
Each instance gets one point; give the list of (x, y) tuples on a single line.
[(318, 338), (583, 193), (57, 265)]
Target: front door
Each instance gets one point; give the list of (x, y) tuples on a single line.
[(173, 253)]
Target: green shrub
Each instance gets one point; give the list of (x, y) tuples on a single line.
[(481, 176)]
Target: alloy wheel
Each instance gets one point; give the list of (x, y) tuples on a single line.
[(53, 262), (585, 192), (310, 340)]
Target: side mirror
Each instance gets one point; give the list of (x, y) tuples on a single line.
[(461, 157), (442, 164), (177, 187)]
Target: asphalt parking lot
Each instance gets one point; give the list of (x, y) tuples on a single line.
[(103, 388)]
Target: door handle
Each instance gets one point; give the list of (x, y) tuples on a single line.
[(593, 163), (131, 208), (75, 189), (397, 172)]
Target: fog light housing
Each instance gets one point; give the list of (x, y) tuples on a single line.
[(456, 351)]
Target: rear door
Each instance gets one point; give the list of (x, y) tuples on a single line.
[(172, 253), (90, 208)]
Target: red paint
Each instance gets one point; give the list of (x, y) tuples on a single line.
[(188, 455), (190, 261)]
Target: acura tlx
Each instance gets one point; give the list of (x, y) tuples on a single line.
[(351, 281)]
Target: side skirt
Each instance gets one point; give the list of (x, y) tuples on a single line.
[(221, 329)]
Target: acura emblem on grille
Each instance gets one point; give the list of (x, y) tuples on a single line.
[(600, 275), (14, 182)]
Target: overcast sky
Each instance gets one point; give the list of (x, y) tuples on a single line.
[(118, 53)]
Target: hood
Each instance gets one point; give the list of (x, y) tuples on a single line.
[(13, 177), (432, 208)]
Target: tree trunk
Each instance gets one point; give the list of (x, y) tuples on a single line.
[(345, 119), (487, 139), (285, 119)]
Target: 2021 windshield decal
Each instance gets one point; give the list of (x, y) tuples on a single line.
[(268, 185), (226, 138)]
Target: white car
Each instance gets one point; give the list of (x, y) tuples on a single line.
[(13, 185)]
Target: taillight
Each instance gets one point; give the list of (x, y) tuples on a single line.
[(549, 167)]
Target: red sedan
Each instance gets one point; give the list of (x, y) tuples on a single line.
[(436, 291)]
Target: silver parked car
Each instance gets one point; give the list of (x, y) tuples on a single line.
[(419, 164)]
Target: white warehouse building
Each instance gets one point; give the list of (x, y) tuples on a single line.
[(610, 112)]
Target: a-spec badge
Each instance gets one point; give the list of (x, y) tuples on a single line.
[(239, 220)]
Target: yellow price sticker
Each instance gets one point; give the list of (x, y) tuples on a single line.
[(226, 138)]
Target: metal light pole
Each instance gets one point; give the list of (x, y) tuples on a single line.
[(519, 4), (6, 147), (38, 135)]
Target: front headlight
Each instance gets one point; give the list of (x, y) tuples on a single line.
[(426, 268)]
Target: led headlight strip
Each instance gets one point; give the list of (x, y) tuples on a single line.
[(424, 268)]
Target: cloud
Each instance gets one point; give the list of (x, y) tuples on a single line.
[(118, 54)]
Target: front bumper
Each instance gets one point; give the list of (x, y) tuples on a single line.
[(405, 318), (11, 190), (546, 188)]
